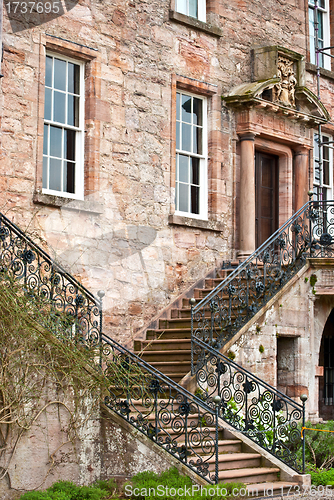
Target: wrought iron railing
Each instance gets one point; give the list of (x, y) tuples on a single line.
[(172, 417), (223, 312), (265, 415), (175, 419), (28, 264), (184, 424)]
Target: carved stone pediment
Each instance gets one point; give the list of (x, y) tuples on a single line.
[(278, 84)]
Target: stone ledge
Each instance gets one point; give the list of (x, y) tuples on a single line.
[(323, 72), (195, 23), (67, 203), (210, 225)]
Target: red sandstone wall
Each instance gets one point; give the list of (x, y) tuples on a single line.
[(121, 240)]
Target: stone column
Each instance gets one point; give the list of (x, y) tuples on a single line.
[(247, 196), (301, 169)]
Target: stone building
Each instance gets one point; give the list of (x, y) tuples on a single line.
[(144, 143)]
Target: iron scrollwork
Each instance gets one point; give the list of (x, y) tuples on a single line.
[(26, 263), (169, 415), (264, 414), (223, 312)]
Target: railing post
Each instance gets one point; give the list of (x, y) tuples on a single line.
[(303, 399), (192, 303), (274, 426), (186, 431), (217, 401), (100, 294)]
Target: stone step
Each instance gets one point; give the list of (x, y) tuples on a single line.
[(234, 461), (186, 322), (169, 333), (271, 489), (162, 345), (250, 475), (169, 367), (173, 356)]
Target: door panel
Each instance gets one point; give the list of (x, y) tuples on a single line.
[(266, 192)]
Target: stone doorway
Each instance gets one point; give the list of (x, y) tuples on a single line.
[(266, 196), (286, 365), (326, 359)]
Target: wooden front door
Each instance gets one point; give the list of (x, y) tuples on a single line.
[(266, 192)]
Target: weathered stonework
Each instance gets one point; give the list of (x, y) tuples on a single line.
[(131, 246), (290, 329)]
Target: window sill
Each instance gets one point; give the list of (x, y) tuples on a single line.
[(67, 203), (323, 72), (209, 225), (195, 23)]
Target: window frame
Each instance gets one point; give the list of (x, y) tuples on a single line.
[(79, 184), (201, 9), (203, 163), (324, 61), (327, 187)]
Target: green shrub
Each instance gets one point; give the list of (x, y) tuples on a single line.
[(174, 486), (36, 495), (325, 477), (65, 490), (319, 447)]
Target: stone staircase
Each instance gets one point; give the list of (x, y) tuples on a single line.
[(168, 348), (237, 461)]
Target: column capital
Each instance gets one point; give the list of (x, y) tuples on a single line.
[(301, 150), (246, 136)]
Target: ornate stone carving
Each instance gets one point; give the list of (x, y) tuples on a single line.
[(284, 91)]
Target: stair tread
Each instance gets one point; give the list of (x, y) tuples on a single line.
[(231, 457), (162, 341), (170, 363), (275, 484), (185, 351), (253, 471)]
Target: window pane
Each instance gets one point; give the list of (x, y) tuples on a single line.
[(45, 172), (193, 8), (55, 174), (69, 144), (186, 108), (326, 173), (197, 140), (60, 74), (47, 104), (73, 110), (197, 117), (194, 199), (45, 140), (183, 198), (178, 117), (320, 26), (69, 177), (55, 141), (59, 107), (48, 72), (181, 6), (73, 85), (186, 137), (178, 135), (195, 171), (183, 168)]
